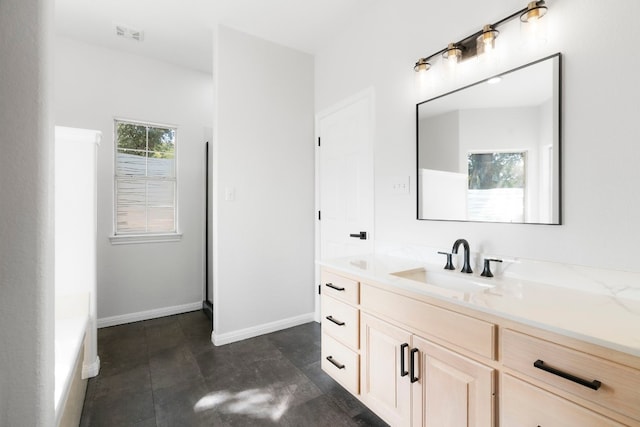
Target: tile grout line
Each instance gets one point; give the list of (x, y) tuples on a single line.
[(153, 393)]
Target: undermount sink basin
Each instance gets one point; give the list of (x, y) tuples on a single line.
[(451, 279)]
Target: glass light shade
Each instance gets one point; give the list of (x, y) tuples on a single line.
[(452, 54), (422, 65), (535, 11), (486, 42), (533, 29)]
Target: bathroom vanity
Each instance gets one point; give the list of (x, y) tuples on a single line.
[(427, 347)]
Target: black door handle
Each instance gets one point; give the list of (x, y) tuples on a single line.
[(403, 371), (332, 286), (337, 322), (593, 385), (334, 363), (361, 235), (413, 365)]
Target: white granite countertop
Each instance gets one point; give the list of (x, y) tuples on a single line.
[(606, 320)]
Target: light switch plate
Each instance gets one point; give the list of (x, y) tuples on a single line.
[(400, 185)]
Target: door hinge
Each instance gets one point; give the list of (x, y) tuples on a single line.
[(319, 289), (319, 215), (318, 141)]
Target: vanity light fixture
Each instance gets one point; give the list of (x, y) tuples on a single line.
[(486, 42), (452, 54), (535, 10), (421, 65), (531, 25), (483, 41)]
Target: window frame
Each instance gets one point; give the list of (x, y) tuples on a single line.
[(144, 237)]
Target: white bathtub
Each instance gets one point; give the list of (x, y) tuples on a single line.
[(72, 320), (76, 344)]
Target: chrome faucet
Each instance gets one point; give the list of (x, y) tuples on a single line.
[(466, 268)]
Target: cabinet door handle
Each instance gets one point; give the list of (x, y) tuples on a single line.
[(337, 322), (414, 351), (403, 372), (332, 286), (593, 385), (334, 363), (361, 235)]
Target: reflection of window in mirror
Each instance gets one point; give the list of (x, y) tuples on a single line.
[(497, 186)]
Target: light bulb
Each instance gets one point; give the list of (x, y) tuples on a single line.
[(532, 27), (452, 55), (486, 42), (535, 11), (422, 66)]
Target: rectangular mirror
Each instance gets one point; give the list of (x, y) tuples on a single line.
[(490, 151)]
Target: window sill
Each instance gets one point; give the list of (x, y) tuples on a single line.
[(134, 239)]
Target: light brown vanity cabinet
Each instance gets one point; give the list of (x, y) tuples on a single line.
[(341, 330), (410, 380), (421, 361)]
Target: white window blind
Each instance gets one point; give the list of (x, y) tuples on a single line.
[(145, 178)]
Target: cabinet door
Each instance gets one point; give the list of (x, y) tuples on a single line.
[(384, 359), (450, 390), (523, 404)]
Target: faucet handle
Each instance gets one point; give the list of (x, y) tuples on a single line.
[(487, 267), (449, 265)]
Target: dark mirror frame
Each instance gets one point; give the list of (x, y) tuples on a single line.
[(558, 92)]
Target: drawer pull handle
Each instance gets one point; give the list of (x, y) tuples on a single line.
[(334, 363), (337, 322), (414, 351), (403, 372), (332, 286), (594, 385)]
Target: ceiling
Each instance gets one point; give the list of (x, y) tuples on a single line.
[(180, 31)]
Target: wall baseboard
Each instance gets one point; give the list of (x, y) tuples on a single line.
[(254, 331), (149, 314), (90, 370)]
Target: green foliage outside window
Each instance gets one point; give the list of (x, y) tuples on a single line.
[(146, 141), (496, 170)]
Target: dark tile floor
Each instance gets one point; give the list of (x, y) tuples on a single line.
[(166, 372)]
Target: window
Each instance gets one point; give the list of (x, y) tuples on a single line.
[(145, 179), (497, 186)]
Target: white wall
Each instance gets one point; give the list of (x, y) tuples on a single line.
[(600, 111), (92, 86), (26, 214), (264, 149), (440, 142)]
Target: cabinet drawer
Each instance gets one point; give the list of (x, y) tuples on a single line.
[(341, 321), (619, 385), (340, 287), (467, 332), (341, 363), (526, 405)]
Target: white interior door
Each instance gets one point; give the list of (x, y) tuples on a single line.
[(345, 178)]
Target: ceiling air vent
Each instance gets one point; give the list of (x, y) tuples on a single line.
[(129, 33)]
